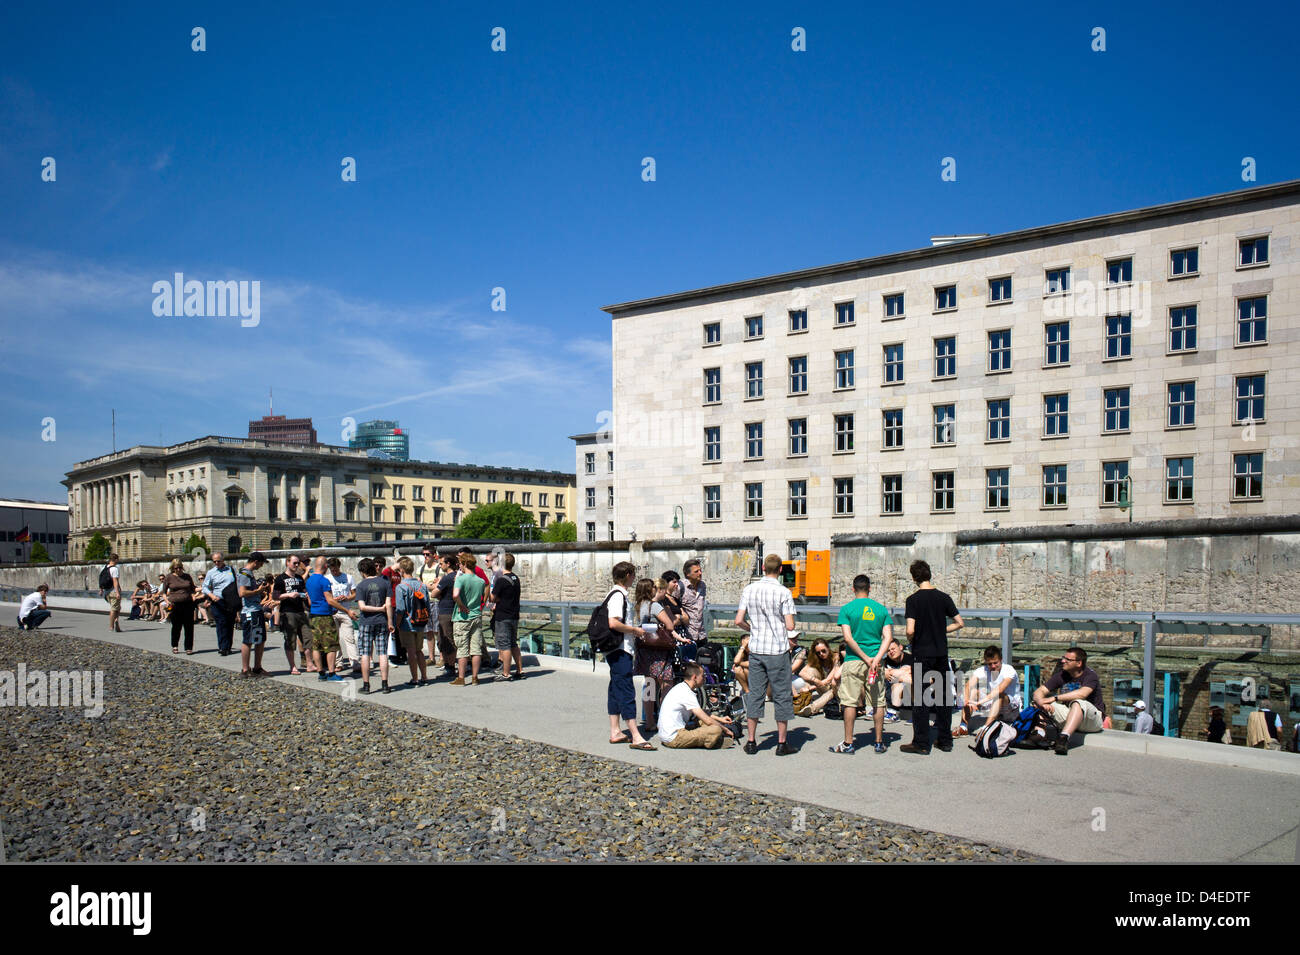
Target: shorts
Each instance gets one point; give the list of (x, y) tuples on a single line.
[(469, 637), (412, 641), (114, 600), (1092, 718), (294, 627), (507, 634), (854, 685), (372, 637), (254, 627), (324, 633)]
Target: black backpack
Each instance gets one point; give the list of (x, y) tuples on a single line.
[(603, 639), (105, 579), (231, 602)]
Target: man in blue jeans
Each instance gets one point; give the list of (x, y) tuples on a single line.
[(622, 693), (214, 582)]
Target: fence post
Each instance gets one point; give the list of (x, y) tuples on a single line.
[(1148, 661), (1006, 638), (564, 630)]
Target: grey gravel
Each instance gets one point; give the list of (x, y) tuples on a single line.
[(189, 763)]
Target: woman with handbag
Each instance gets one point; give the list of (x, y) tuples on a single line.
[(654, 651), (179, 587)]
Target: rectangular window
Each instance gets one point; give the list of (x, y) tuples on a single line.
[(1252, 320), (437, 491), (1116, 409), (1058, 281), (609, 528), (798, 320), (232, 472), (843, 313), (713, 333), (1119, 271), (844, 432), (399, 492), (1056, 416), (894, 364), (377, 491), (999, 419), (543, 500), (712, 390), (945, 298), (843, 496), (232, 505), (1114, 482), (798, 498), (349, 510), (891, 494), (713, 444), (1178, 480), (1054, 485), (943, 491), (997, 489), (591, 497), (754, 500), (527, 498), (753, 441), (590, 464), (798, 437), (455, 495), (1253, 251), (1182, 328), (754, 379), (473, 496), (844, 369), (894, 305), (492, 497), (1119, 336), (945, 357), (713, 502), (944, 416), (293, 510), (510, 496), (610, 495), (399, 514), (417, 492), (377, 513), (609, 461), (1182, 404), (1057, 337), (799, 375), (893, 428), (1250, 400), (1000, 350), (591, 532), (1184, 262), (437, 515), (999, 290), (1248, 476), (559, 501), (753, 327)]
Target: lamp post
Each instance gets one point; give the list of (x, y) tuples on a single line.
[(678, 509), (1126, 496)]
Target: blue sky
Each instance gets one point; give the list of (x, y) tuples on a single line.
[(522, 170)]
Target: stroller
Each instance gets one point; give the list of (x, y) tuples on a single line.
[(719, 696)]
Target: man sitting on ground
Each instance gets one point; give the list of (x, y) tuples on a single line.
[(32, 612), (1072, 698), (898, 673), (992, 692), (679, 705)]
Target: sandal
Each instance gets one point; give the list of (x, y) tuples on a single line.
[(295, 672), (961, 731), (620, 742), (644, 746), (176, 649)]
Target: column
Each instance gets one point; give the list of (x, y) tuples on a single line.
[(284, 497), (96, 504), (302, 497)]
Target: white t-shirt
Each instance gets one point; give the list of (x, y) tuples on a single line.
[(31, 602), (987, 682), (676, 710), (341, 585), (618, 607), (115, 572)]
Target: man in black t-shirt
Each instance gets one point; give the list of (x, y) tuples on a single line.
[(928, 612), (446, 605), (505, 620), (290, 593)]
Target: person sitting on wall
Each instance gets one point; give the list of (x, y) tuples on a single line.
[(1071, 697)]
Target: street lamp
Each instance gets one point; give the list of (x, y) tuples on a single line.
[(1126, 496), (682, 526)]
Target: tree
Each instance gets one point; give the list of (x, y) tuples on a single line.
[(195, 543), (245, 549), (501, 521), (560, 531), (39, 554), (98, 547)]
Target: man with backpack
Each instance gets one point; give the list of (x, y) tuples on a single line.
[(413, 613), (110, 586), (252, 617), (617, 640), (225, 606), (505, 620)]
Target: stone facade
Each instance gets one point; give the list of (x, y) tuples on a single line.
[(594, 472), (979, 322)]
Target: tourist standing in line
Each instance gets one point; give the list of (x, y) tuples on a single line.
[(505, 620), (412, 606), (928, 612), (252, 619), (867, 629), (469, 594), (290, 595), (430, 573), (770, 607), (113, 592), (215, 581), (621, 701), (375, 601), (344, 591), (180, 594), (446, 607), (324, 631), (694, 598)]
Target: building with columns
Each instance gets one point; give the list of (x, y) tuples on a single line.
[(240, 493)]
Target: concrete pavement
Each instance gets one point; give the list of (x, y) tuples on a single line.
[(1102, 803)]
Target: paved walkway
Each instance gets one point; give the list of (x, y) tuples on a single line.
[(1096, 805)]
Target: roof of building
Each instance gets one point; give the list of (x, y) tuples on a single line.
[(33, 505), (1184, 206)]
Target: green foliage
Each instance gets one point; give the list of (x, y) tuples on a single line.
[(39, 554), (560, 531), (98, 547), (245, 549), (194, 543), (500, 520)]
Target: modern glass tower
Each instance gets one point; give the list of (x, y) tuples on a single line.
[(383, 436)]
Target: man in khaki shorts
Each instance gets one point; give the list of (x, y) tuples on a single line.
[(867, 630), (1072, 698), (468, 620)]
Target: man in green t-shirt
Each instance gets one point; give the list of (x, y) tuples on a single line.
[(867, 630), (467, 619)]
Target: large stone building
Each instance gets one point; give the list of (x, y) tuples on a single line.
[(594, 468), (1052, 375), (45, 523), (236, 493)]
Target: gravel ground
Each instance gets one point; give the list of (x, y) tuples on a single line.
[(188, 763)]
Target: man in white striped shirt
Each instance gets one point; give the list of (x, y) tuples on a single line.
[(771, 620)]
